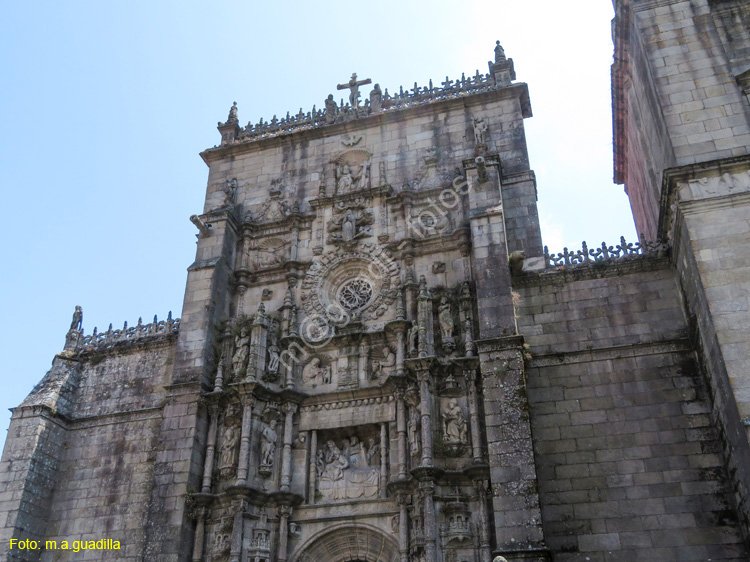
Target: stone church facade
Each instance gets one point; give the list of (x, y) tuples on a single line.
[(378, 360)]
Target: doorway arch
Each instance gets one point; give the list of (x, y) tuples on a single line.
[(348, 543)]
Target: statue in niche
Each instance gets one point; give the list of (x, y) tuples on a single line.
[(77, 322), (413, 430), (413, 339), (454, 424), (267, 448), (273, 349), (332, 110), (445, 319), (480, 131), (352, 175), (339, 479), (346, 181), (229, 439), (239, 359)]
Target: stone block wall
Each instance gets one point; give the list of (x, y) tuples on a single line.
[(629, 461), (85, 471), (675, 71)]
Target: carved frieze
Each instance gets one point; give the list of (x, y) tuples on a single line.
[(706, 187)]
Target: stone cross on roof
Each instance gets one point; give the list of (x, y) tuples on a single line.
[(353, 86)]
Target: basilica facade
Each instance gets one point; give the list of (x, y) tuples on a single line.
[(378, 360)]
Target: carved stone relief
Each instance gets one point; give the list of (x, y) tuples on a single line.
[(350, 222), (382, 363), (701, 188), (345, 471), (317, 371), (352, 171), (270, 252), (361, 282)]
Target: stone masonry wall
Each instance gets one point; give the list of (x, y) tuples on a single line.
[(86, 472), (628, 459)]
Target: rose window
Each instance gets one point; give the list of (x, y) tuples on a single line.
[(355, 294)]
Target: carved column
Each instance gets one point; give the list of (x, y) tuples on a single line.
[(285, 512), (295, 244), (424, 317), (425, 405), (208, 465), (258, 337), (248, 401), (401, 429), (484, 525), (362, 353), (313, 467), (235, 551), (403, 526), (383, 458), (200, 535), (400, 352), (225, 352), (286, 459), (241, 290), (427, 489), (476, 435)]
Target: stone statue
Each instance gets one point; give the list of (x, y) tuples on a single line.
[(413, 339), (332, 110), (273, 358), (480, 131), (349, 226), (339, 478), (239, 359), (445, 319), (232, 113), (499, 53), (228, 443), (454, 423), (413, 430), (353, 86), (268, 444), (326, 374), (273, 348), (77, 322), (346, 182), (230, 192), (376, 98), (364, 175)]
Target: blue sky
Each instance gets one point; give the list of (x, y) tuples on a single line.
[(104, 107)]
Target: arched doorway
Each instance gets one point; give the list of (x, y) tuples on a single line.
[(348, 543)]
